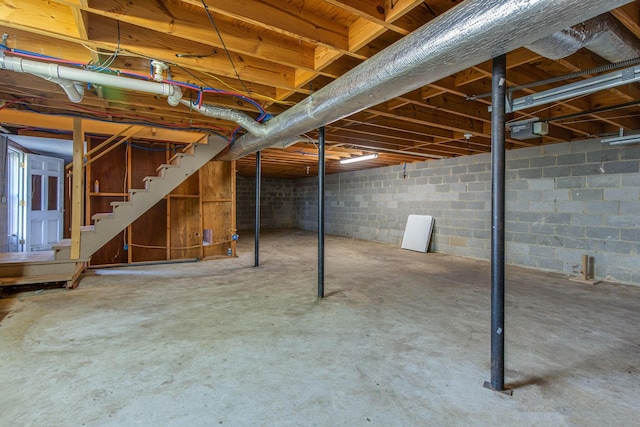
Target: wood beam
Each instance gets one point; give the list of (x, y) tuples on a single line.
[(77, 193), (27, 119)]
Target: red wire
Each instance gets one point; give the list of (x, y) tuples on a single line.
[(62, 61)]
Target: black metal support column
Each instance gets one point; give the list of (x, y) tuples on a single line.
[(321, 212), (498, 92), (257, 226)]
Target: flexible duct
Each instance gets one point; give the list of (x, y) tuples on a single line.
[(242, 119), (470, 33), (603, 35), (57, 72)]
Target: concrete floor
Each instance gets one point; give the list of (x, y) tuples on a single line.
[(402, 339)]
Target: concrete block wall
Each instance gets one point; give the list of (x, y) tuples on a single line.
[(563, 200), (276, 206)]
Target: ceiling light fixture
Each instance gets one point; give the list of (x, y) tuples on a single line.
[(619, 140), (622, 138), (359, 159)]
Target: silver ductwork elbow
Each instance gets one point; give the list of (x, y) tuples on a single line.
[(603, 35), (246, 122)]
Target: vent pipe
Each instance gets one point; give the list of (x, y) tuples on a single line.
[(470, 33), (603, 35), (68, 78)]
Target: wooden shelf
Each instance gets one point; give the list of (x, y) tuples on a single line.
[(174, 227), (184, 196), (105, 194)]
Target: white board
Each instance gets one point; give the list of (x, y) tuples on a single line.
[(417, 233)]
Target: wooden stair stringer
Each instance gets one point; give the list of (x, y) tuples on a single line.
[(108, 225)]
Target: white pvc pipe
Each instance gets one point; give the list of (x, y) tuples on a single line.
[(55, 71), (74, 90)]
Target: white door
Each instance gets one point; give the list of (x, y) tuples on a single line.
[(44, 202)]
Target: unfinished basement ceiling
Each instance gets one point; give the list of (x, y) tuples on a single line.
[(280, 52)]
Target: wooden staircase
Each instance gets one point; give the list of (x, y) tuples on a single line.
[(57, 266), (107, 225)]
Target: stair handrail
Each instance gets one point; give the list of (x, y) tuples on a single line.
[(128, 132)]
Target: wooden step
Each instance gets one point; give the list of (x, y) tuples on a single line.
[(165, 166), (102, 215), (62, 244), (179, 156), (151, 178), (116, 205)]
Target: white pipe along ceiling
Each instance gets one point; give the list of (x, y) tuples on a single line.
[(472, 32), (67, 76)]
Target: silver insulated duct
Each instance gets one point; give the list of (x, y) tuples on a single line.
[(472, 32), (603, 35)]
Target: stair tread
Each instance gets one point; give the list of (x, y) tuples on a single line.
[(64, 243), (168, 178), (102, 215), (180, 156)]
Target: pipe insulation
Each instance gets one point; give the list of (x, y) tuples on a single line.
[(472, 32), (242, 119), (603, 35), (56, 73)]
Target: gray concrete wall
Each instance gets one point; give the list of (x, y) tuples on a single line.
[(563, 201), (276, 207)]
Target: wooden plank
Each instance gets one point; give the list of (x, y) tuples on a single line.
[(217, 216), (78, 186), (185, 230), (196, 27), (148, 235), (216, 183), (283, 18), (9, 116), (28, 280)]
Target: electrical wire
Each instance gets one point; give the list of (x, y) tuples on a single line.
[(111, 59), (105, 68), (206, 8)]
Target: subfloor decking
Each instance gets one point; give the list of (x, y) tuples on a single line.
[(402, 339)]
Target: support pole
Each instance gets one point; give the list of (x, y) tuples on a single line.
[(257, 233), (498, 92), (321, 212), (77, 192)]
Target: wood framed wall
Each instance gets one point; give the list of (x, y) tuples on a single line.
[(175, 227)]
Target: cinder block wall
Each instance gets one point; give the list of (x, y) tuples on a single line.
[(276, 207), (563, 200)]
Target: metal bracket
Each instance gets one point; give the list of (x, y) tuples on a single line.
[(506, 391)]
